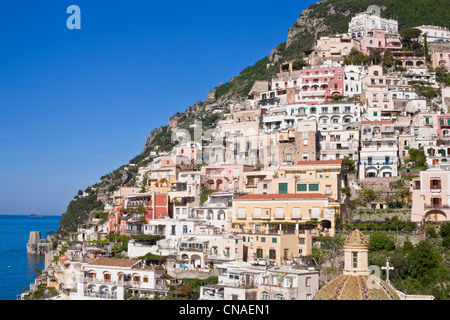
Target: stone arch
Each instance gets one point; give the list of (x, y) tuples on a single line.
[(91, 288), (210, 184), (347, 119), (104, 290), (335, 119), (371, 171), (386, 170), (323, 119), (185, 256), (326, 224), (279, 296), (265, 295), (221, 215), (436, 215), (196, 259)]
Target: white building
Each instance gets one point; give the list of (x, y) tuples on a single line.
[(379, 150), (244, 281), (110, 278), (335, 116), (435, 33), (353, 76), (337, 144), (364, 22)]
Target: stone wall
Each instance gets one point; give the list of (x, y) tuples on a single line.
[(182, 273), (36, 245)]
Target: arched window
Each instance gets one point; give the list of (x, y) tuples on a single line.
[(279, 296), (265, 296)]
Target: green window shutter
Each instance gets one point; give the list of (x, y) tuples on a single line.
[(314, 187), (274, 240), (263, 239), (301, 187), (282, 188), (259, 253), (272, 254), (442, 121)]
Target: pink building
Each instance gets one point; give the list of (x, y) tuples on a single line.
[(441, 58), (319, 83), (189, 150), (377, 93), (225, 177), (444, 125), (378, 39), (430, 196)]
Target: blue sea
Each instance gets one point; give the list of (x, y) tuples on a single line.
[(14, 233)]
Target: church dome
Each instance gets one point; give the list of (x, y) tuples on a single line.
[(362, 287), (356, 282)]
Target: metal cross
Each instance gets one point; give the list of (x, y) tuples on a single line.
[(387, 268)]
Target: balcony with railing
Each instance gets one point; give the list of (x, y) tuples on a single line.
[(378, 163), (97, 295), (436, 206)]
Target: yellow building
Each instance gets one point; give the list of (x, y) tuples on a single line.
[(279, 227), (321, 176), (162, 177)]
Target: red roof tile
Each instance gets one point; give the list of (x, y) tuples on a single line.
[(114, 262)]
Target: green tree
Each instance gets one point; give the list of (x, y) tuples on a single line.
[(299, 64), (349, 165), (417, 157), (423, 260), (368, 195), (444, 232), (410, 37), (388, 59), (381, 242)]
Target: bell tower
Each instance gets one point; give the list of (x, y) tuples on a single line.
[(356, 254)]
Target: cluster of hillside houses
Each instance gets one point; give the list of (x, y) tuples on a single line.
[(269, 180)]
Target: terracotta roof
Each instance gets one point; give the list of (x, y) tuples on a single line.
[(319, 162), (281, 196), (113, 262)]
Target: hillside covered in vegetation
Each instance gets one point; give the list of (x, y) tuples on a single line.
[(322, 18)]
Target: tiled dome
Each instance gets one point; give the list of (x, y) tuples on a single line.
[(356, 238), (356, 283), (363, 287)]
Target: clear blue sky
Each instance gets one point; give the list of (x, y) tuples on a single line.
[(77, 104)]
